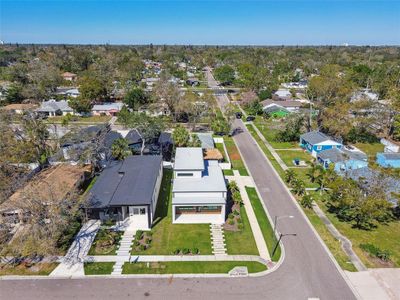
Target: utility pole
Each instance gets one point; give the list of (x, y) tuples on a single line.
[(280, 237)]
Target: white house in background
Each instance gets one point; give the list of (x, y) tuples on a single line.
[(390, 146), (282, 94), (53, 108), (199, 190), (69, 76), (301, 85), (290, 105), (107, 109)]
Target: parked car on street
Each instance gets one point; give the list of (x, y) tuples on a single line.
[(250, 118)]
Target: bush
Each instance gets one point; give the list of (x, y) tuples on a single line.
[(240, 226), (142, 247), (239, 220), (235, 212), (185, 251), (109, 223), (195, 251), (375, 251), (231, 216), (231, 222), (177, 251), (136, 243), (148, 240), (138, 235)]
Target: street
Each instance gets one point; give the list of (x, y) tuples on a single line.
[(306, 272)]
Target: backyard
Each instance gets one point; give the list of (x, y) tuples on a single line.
[(168, 237), (185, 267)]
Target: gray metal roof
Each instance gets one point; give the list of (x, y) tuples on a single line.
[(207, 141), (53, 105), (315, 137), (390, 156), (189, 159), (128, 182), (133, 137), (335, 155), (212, 180)]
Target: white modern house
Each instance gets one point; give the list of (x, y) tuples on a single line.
[(199, 191)]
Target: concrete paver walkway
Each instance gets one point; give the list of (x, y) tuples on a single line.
[(217, 239), (242, 182), (345, 242), (72, 263)]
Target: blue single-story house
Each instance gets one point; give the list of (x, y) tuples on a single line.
[(316, 142), (343, 160), (388, 160)]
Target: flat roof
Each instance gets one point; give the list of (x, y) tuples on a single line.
[(128, 182), (189, 159), (212, 180), (187, 200)]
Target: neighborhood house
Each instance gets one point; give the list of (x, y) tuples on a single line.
[(54, 108), (342, 159), (315, 142), (128, 191), (107, 109), (388, 160), (69, 76), (199, 191)]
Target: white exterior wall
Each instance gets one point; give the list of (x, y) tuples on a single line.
[(199, 195), (199, 218)]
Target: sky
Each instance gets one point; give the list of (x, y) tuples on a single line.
[(299, 22)]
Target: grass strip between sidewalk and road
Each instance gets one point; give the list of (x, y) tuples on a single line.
[(98, 268), (234, 155), (264, 223), (191, 267)]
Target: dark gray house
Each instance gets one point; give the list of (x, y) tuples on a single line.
[(128, 189)]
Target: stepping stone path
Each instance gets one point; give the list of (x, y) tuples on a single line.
[(217, 239), (124, 249)]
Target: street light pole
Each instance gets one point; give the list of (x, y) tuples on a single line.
[(277, 243)]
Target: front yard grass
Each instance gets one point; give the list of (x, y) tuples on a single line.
[(288, 156), (187, 267), (106, 242), (22, 269), (228, 172), (269, 133), (168, 237), (98, 268), (220, 147), (241, 242), (385, 237), (263, 221), (234, 155)]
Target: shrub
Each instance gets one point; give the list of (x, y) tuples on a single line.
[(235, 212), (138, 235), (185, 251), (239, 220), (231, 216), (375, 251), (195, 251), (177, 251), (142, 247), (240, 226), (136, 243), (231, 222), (147, 241)]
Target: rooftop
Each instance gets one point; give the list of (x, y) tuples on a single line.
[(335, 155), (53, 105), (212, 180), (108, 106), (390, 156), (128, 182), (207, 141), (315, 137), (287, 103), (189, 159)]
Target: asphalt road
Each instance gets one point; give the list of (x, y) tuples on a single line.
[(306, 272)]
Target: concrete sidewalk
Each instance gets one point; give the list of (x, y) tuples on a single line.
[(72, 262), (242, 182)]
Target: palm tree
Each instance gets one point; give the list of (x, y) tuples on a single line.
[(120, 149), (298, 187), (290, 175), (307, 201), (317, 175)]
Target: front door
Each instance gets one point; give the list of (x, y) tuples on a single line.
[(139, 217)]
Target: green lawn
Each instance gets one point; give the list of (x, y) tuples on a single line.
[(386, 237), (263, 221), (220, 147), (187, 267), (228, 172), (302, 174), (234, 156), (168, 237), (106, 242), (35, 269), (98, 268), (241, 242), (269, 133), (289, 155), (370, 149), (332, 243)]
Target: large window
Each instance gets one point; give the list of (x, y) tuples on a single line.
[(198, 210), (184, 174)]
